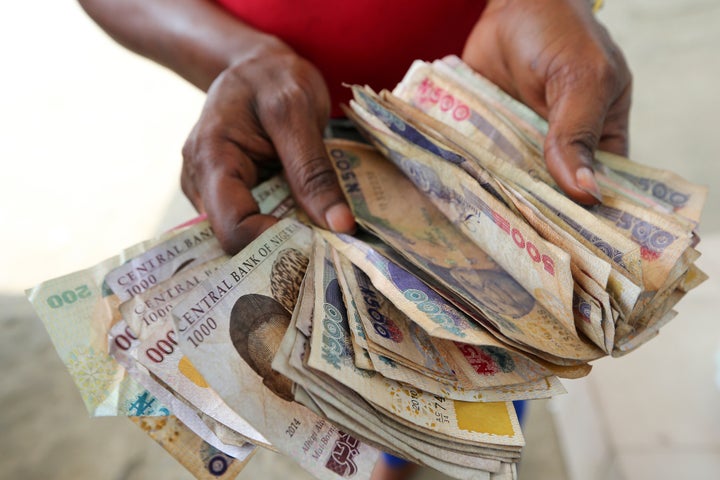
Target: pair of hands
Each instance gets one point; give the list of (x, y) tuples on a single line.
[(273, 106)]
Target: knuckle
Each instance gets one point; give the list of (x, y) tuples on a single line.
[(189, 155), (605, 71), (283, 102), (204, 154), (597, 69), (584, 138), (189, 168), (187, 186), (192, 154), (316, 177)]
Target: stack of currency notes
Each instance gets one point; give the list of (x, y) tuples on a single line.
[(473, 282), (99, 318), (579, 282)]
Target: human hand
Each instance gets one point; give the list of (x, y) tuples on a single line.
[(555, 57), (269, 107)]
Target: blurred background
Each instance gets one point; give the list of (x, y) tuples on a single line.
[(90, 136)]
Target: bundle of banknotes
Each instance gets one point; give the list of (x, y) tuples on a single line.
[(474, 282)]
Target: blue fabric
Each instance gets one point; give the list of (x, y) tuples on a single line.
[(520, 410), (394, 462)]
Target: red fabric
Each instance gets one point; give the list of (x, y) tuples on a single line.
[(368, 42)]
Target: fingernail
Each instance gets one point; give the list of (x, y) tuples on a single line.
[(340, 219), (587, 183)]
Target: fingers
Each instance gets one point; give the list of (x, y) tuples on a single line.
[(233, 212), (289, 120), (313, 180), (264, 108), (554, 56), (217, 177), (615, 138), (578, 103), (569, 148)]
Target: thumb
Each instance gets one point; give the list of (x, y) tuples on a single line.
[(576, 117), (310, 174)]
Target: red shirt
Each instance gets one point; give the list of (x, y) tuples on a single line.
[(362, 42)]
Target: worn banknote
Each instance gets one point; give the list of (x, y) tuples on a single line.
[(78, 311), (330, 352), (367, 193), (230, 327), (201, 459), (335, 401)]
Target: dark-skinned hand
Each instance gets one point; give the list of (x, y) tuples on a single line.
[(554, 56), (270, 107)]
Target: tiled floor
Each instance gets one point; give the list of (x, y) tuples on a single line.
[(79, 110)]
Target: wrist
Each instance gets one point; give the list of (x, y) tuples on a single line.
[(265, 56), (256, 46), (589, 5)]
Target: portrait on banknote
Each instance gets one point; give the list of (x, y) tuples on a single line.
[(257, 326), (497, 289), (258, 322)]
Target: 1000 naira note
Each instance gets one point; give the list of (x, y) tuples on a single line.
[(230, 327)]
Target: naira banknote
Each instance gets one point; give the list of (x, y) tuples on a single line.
[(230, 327)]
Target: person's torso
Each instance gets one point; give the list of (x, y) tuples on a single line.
[(368, 42)]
